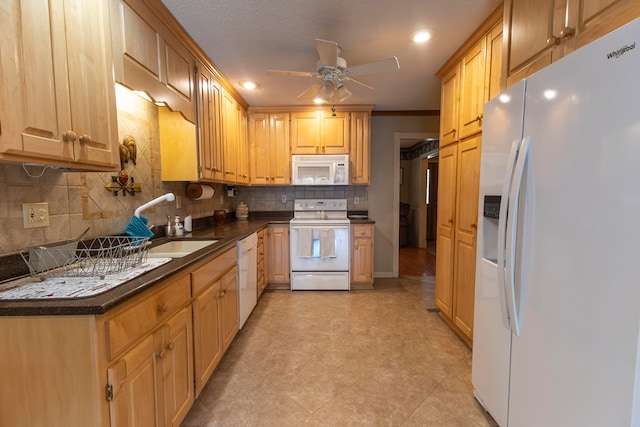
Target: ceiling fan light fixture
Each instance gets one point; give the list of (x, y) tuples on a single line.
[(324, 94), (342, 92), (422, 36)]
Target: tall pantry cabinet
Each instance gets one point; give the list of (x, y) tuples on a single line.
[(469, 79)]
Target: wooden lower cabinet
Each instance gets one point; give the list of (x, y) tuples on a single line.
[(278, 253), (135, 365), (362, 254), (154, 380), (215, 286), (262, 261)]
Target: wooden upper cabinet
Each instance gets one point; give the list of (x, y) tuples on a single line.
[(243, 147), (493, 62), (230, 136), (334, 132), (320, 132), (269, 156), (305, 132), (148, 57), (542, 31), (449, 104), (209, 139), (472, 90), (360, 147), (58, 97)]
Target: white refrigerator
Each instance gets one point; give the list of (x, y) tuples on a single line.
[(557, 299)]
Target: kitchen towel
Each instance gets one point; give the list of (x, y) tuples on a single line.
[(327, 243), (305, 242)]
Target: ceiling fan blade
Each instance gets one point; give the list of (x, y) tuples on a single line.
[(356, 81), (290, 73), (382, 66), (310, 92), (328, 52)]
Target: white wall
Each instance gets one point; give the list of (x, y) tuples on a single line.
[(384, 188)]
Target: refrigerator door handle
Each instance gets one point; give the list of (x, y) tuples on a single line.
[(511, 235), (502, 227)]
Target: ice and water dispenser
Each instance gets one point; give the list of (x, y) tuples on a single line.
[(490, 217)]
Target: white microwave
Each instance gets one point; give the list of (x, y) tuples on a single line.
[(320, 169)]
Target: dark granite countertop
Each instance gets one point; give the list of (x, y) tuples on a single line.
[(227, 235)]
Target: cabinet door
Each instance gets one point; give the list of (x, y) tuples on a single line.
[(207, 342), (359, 156), (445, 249), (175, 360), (466, 226), (91, 85), (362, 255), (472, 90), (243, 147), (493, 64), (135, 381), (334, 131), (534, 26), (208, 126), (229, 310), (450, 99), (279, 151), (278, 254), (230, 136), (592, 19), (305, 133), (259, 148)]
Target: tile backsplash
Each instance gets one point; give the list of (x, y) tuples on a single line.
[(270, 198)]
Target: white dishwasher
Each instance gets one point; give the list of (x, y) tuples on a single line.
[(247, 275)]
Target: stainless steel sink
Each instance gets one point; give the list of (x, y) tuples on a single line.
[(179, 248)]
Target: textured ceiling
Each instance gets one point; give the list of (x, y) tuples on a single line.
[(246, 37)]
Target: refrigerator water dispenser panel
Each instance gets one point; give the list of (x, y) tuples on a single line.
[(491, 207), (489, 239)]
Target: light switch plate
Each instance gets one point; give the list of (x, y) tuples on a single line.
[(35, 215)]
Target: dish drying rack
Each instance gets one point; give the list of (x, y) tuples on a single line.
[(98, 257)]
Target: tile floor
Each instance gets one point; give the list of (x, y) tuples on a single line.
[(359, 358)]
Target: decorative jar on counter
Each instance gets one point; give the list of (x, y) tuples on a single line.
[(242, 211)]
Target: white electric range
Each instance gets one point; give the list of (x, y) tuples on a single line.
[(319, 245)]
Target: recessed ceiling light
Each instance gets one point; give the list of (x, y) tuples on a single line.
[(422, 36), (248, 84)]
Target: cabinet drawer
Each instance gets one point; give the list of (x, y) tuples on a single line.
[(140, 317), (362, 231), (212, 270)]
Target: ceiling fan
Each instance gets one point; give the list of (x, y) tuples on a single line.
[(333, 73)]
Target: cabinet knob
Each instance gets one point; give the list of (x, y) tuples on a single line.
[(69, 136), (162, 308), (567, 32), (450, 221), (162, 354), (553, 40), (85, 139), (474, 225), (171, 346)]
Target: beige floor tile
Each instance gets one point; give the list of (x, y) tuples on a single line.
[(359, 358)]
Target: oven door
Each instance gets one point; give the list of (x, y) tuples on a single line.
[(308, 258)]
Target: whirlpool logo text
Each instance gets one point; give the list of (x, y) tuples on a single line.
[(618, 53)]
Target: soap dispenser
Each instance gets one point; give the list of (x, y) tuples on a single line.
[(178, 228), (168, 229)]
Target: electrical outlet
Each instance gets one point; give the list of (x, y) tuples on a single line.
[(356, 200), (35, 215), (284, 199)]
